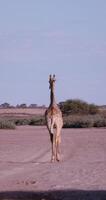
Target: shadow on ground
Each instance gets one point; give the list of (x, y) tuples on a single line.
[(54, 195)]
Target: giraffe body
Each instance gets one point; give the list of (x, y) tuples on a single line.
[(54, 123)]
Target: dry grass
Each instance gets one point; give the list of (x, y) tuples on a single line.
[(21, 111)]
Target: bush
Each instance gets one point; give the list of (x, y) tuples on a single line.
[(20, 122), (78, 107), (37, 121), (5, 124), (84, 121), (101, 122), (93, 109), (78, 122)]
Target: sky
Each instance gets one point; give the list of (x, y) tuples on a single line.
[(62, 37)]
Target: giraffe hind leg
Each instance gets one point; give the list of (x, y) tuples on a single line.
[(53, 157), (52, 139), (58, 141)]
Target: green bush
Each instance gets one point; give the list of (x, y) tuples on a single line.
[(84, 121), (5, 124), (78, 107), (19, 122), (78, 122), (100, 122), (37, 121)]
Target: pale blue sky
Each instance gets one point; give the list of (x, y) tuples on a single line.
[(65, 37)]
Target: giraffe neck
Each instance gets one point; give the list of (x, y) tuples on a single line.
[(52, 98)]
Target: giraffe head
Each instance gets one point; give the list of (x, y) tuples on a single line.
[(52, 80)]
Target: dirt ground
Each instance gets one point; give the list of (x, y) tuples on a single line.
[(27, 173)]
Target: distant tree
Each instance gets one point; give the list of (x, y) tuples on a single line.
[(17, 106), (5, 105), (33, 105), (23, 105)]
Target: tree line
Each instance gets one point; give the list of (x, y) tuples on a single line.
[(23, 105)]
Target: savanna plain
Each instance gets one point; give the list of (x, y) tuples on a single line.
[(27, 173)]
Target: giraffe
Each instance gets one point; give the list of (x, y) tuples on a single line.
[(54, 121)]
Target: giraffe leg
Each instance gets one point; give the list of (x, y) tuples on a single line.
[(58, 141), (52, 139), (53, 148)]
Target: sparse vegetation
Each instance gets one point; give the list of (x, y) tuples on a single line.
[(76, 114), (84, 121), (37, 121), (79, 114), (21, 121), (78, 122), (6, 124)]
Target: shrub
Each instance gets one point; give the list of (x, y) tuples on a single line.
[(93, 109), (37, 121), (19, 122), (100, 122), (78, 107), (5, 124), (78, 122), (84, 121)]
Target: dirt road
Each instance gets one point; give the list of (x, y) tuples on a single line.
[(26, 171)]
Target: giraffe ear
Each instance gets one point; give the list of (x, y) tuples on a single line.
[(54, 77)]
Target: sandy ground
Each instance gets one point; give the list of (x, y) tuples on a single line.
[(27, 173)]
